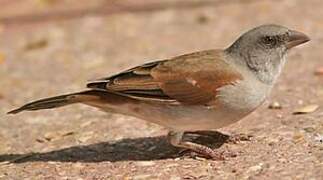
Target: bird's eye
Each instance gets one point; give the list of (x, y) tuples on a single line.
[(269, 40)]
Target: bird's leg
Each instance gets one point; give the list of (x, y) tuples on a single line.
[(176, 139)]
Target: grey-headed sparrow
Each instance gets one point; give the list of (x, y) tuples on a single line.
[(197, 91)]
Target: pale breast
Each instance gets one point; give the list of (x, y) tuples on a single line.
[(244, 96)]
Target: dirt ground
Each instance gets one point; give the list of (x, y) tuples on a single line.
[(48, 47)]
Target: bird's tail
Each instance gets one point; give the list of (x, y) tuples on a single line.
[(58, 101)]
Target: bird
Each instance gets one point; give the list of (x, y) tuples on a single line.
[(198, 91)]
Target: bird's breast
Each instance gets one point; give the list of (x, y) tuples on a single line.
[(243, 96)]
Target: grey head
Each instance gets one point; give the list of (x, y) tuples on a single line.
[(263, 49)]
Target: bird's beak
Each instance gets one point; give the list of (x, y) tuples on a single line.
[(296, 38)]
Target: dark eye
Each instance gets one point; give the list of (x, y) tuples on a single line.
[(269, 40)]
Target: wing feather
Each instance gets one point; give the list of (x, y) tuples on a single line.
[(190, 79)]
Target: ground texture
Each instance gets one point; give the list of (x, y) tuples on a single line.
[(48, 47)]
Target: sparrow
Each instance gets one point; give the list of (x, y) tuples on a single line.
[(203, 90)]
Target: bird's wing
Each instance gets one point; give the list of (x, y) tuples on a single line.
[(188, 79)]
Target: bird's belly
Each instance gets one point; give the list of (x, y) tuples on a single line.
[(197, 118), (185, 118)]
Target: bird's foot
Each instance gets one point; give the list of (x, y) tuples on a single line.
[(236, 138), (214, 155)]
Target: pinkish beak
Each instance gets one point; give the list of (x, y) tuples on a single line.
[(296, 38)]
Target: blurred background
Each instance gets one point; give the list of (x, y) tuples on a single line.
[(48, 47)]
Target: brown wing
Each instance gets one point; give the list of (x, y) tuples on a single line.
[(190, 79)]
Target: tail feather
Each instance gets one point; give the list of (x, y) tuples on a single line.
[(53, 102), (97, 84)]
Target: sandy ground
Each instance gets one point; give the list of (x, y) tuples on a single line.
[(56, 53)]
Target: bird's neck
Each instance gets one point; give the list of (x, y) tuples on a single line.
[(265, 67)]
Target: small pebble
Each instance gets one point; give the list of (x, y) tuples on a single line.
[(255, 168), (50, 136), (275, 105), (40, 140), (318, 71), (309, 129), (319, 138), (306, 109), (202, 19), (42, 43)]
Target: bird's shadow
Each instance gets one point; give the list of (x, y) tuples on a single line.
[(148, 148)]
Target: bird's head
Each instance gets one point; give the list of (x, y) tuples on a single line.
[(263, 49)]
